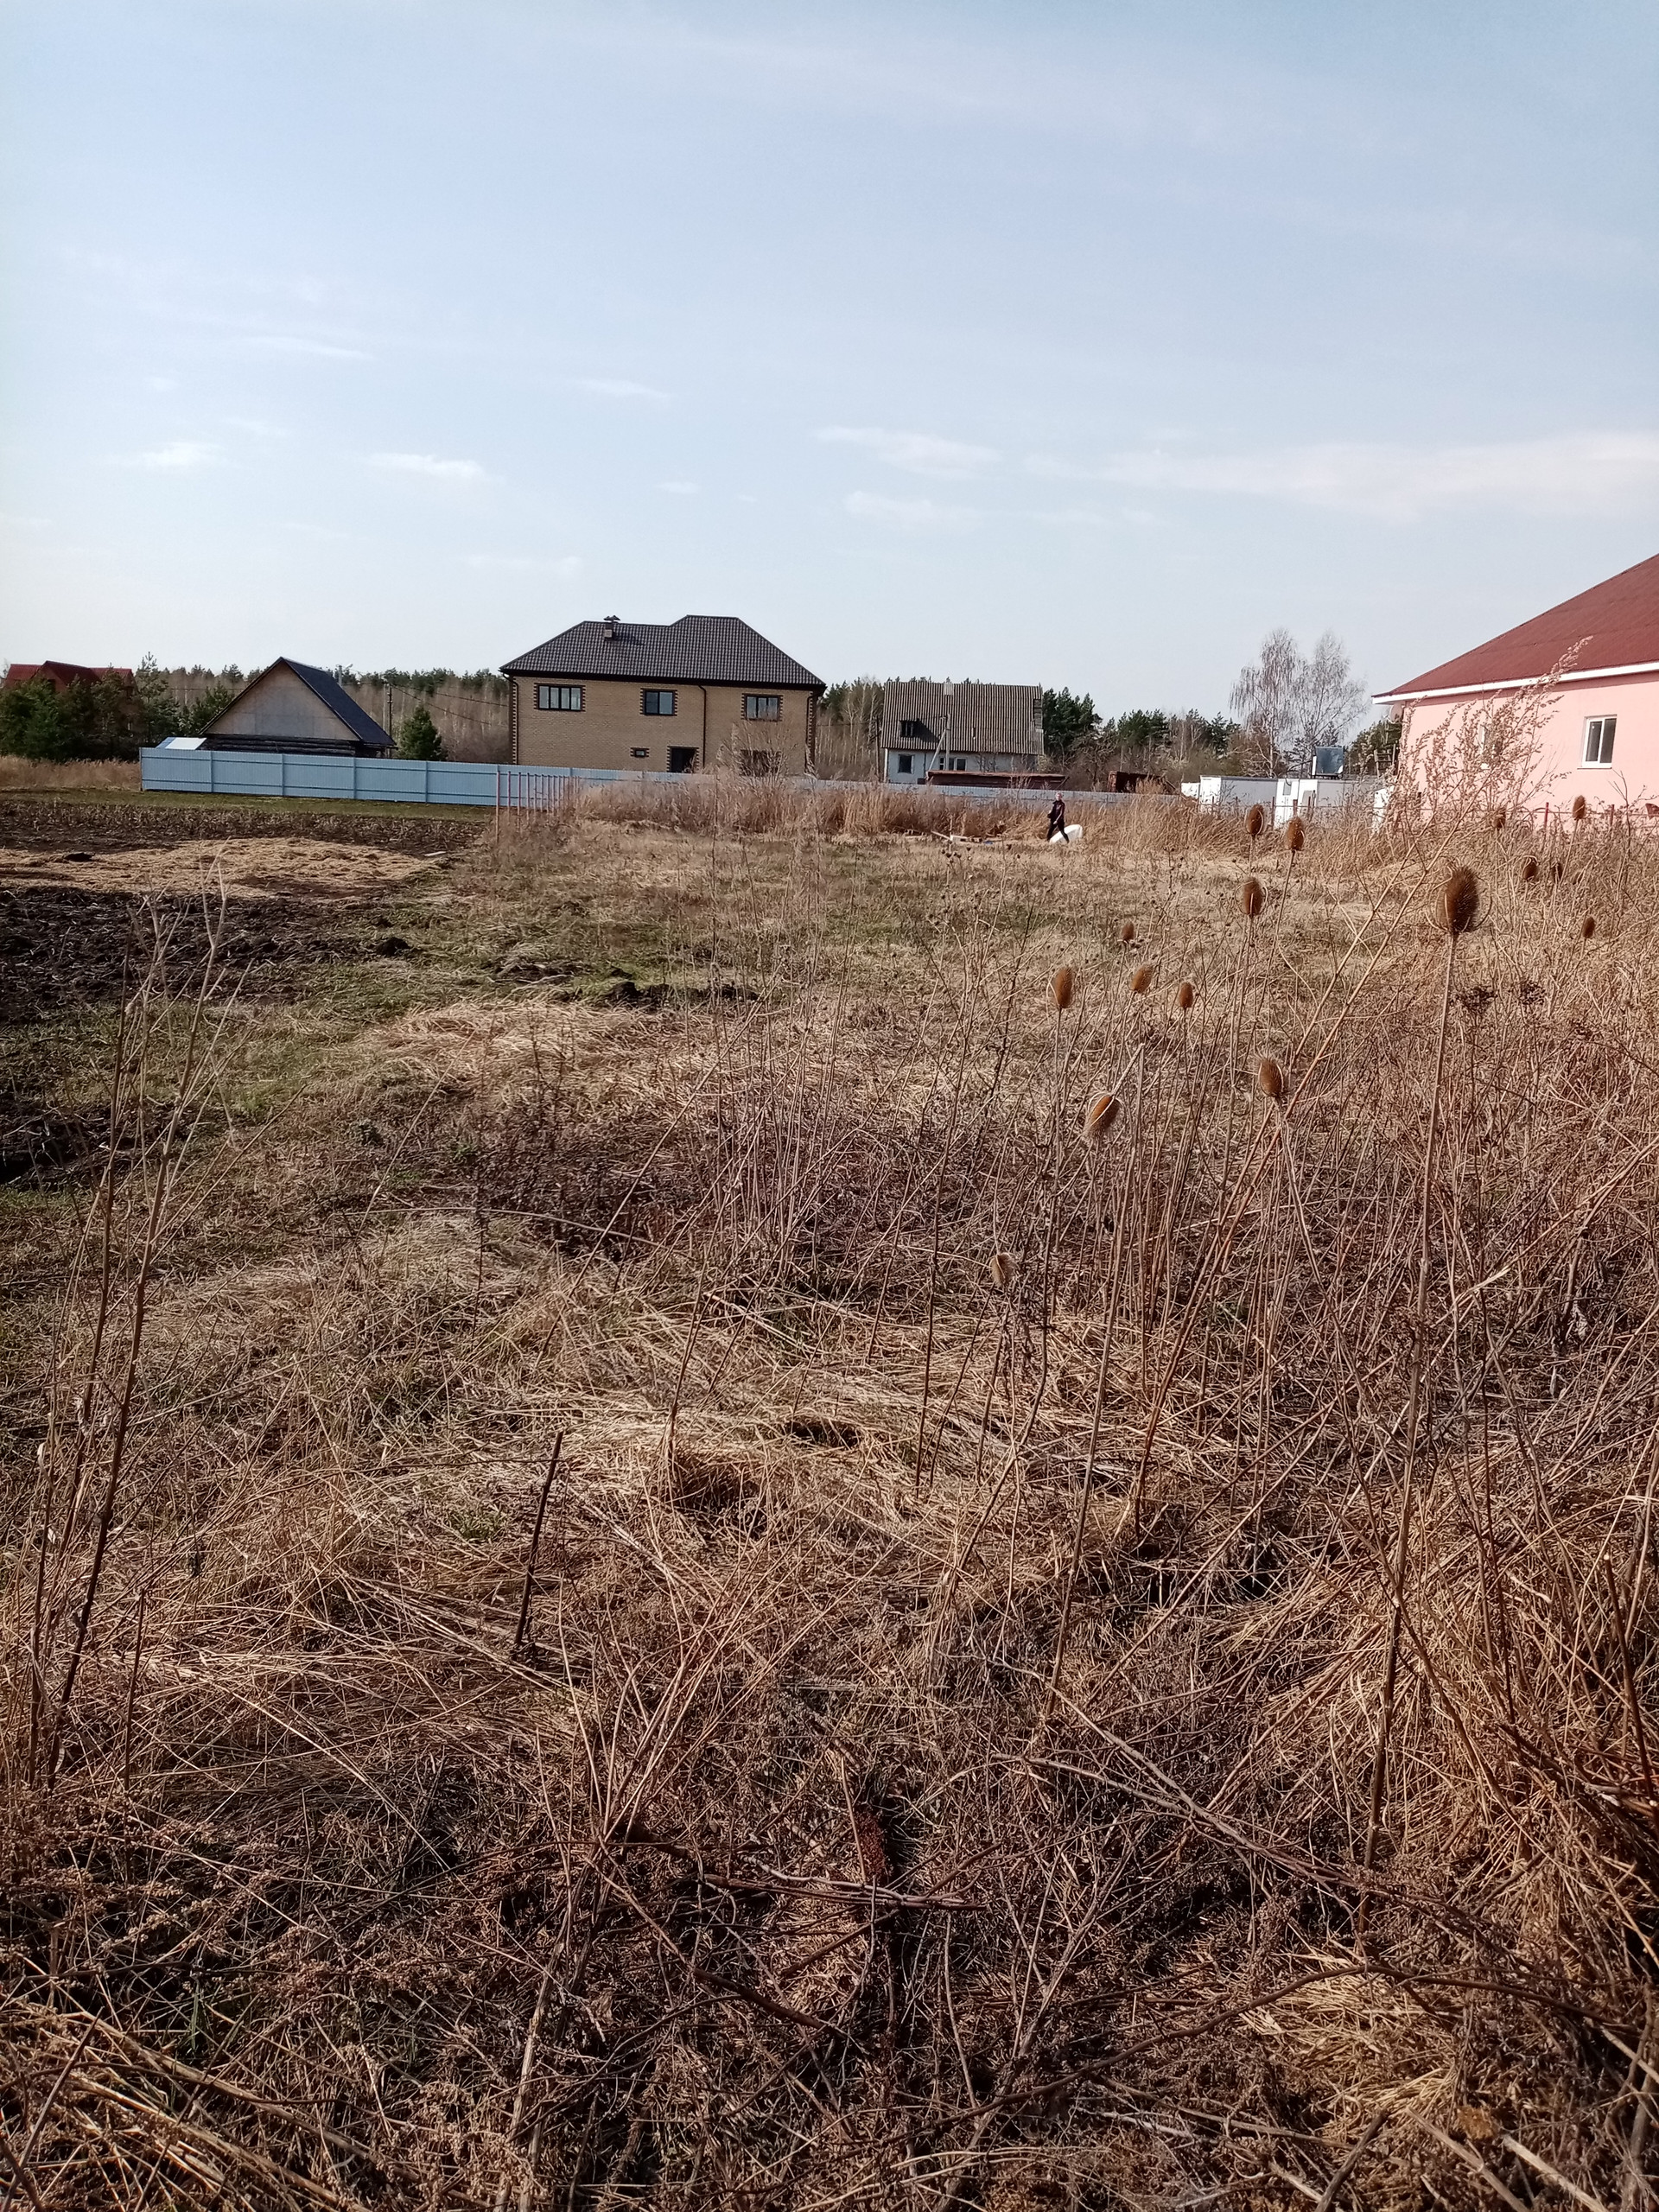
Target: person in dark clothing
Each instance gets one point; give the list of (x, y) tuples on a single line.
[(1057, 817)]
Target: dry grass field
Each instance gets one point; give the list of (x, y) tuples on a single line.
[(720, 1510)]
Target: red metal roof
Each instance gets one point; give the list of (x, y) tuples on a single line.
[(57, 673), (1615, 625)]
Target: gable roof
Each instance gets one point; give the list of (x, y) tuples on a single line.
[(321, 686), (60, 674), (697, 649), (1615, 625), (984, 717)]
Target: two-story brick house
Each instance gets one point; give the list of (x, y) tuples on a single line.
[(704, 692)]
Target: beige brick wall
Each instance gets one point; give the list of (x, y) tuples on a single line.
[(611, 725)]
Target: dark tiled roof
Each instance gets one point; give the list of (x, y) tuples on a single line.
[(1615, 625), (358, 720), (338, 701), (697, 649), (984, 717)]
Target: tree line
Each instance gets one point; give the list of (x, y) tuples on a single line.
[(115, 714)]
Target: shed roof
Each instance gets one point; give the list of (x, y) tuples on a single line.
[(697, 649), (322, 686), (1613, 625), (984, 717)]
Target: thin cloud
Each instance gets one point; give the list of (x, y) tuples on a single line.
[(183, 453), (1587, 473), (908, 514), (915, 451), (619, 388), (428, 465), (570, 564), (314, 349), (684, 490)]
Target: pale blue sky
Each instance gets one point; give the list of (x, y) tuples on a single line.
[(1068, 343)]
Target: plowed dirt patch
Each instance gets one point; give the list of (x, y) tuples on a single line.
[(246, 868)]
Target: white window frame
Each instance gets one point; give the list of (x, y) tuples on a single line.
[(1599, 731), (763, 706), (559, 698)]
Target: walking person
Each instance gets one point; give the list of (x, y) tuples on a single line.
[(1056, 820)]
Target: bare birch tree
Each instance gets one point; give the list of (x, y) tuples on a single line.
[(1289, 704)]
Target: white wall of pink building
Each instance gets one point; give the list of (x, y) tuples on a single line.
[(1631, 778)]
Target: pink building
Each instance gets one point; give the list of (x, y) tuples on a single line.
[(1599, 734)]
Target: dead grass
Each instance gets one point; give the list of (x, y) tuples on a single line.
[(240, 867), (20, 775), (799, 1855)]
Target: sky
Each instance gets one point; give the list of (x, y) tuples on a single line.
[(1048, 342)]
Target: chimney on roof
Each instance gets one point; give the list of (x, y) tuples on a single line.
[(607, 628)]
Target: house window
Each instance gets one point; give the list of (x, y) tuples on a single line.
[(904, 763), (682, 759), (642, 753), (656, 702), (758, 764), (762, 706), (1599, 741), (559, 698), (960, 764), (914, 733)]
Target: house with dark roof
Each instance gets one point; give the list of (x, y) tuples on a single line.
[(704, 692), (291, 708), (1599, 737), (961, 733), (61, 675)]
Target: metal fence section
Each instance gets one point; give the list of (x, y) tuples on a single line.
[(450, 783), (343, 776)]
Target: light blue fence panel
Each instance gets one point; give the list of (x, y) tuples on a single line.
[(457, 783), (302, 775)]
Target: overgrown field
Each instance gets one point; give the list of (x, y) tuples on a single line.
[(680, 1530)]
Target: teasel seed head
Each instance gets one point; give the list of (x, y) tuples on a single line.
[(1587, 927), (1005, 1270), (1184, 998), (1061, 985), (1126, 935), (1459, 901), (1252, 899), (1271, 1078), (1101, 1113), (1295, 835), (1530, 873), (1138, 981), (1581, 807), (1255, 823)]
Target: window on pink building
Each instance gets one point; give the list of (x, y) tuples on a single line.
[(1599, 741)]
